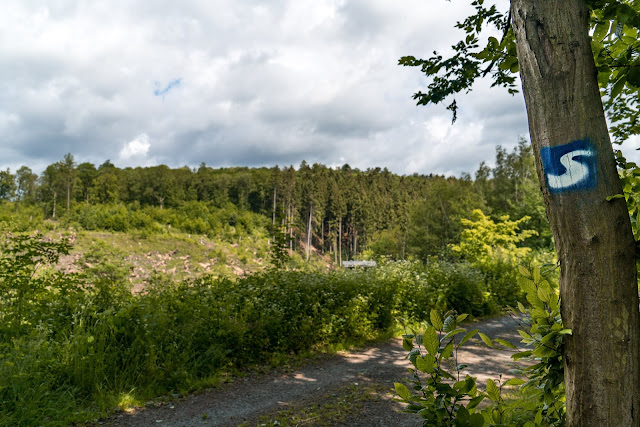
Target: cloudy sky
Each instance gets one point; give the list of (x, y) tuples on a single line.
[(239, 83)]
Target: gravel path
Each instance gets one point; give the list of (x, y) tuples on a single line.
[(246, 399)]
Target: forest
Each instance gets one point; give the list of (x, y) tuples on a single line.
[(341, 212)]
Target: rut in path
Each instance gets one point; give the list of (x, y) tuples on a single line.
[(246, 399)]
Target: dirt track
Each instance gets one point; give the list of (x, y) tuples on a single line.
[(374, 369)]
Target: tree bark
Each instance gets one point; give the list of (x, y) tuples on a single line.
[(274, 206), (309, 231), (355, 244), (68, 196), (55, 197), (593, 238), (340, 240)]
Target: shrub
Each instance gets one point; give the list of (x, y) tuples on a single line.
[(441, 398)]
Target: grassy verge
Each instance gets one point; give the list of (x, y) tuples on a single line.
[(337, 406)]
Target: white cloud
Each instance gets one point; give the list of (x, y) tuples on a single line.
[(135, 151)]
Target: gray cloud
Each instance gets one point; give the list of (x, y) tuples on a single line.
[(261, 84)]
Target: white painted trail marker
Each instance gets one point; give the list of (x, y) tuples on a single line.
[(570, 166)]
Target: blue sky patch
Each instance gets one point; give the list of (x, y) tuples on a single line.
[(570, 166), (172, 84)]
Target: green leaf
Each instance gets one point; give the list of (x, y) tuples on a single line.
[(617, 87), (402, 391), (521, 307), (617, 196), (425, 364), (462, 416), (538, 313), (548, 337), (436, 321), (407, 343), (554, 301), (505, 343), (483, 54), (475, 401), (418, 339), (468, 336), (449, 324), (514, 381), (448, 350), (453, 333), (476, 420), (538, 418), (543, 351), (493, 391), (544, 294), (524, 334), (469, 384), (603, 78), (523, 270), (431, 342), (460, 318), (526, 284), (633, 76), (537, 277), (521, 354), (566, 332), (485, 339), (602, 29)]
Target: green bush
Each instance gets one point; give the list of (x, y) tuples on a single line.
[(20, 217), (438, 284), (501, 282)]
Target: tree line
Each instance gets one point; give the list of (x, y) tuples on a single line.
[(340, 211)]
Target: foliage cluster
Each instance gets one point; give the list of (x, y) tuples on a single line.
[(485, 240), (614, 26), (439, 395)]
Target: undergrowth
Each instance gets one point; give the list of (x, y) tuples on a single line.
[(74, 347)]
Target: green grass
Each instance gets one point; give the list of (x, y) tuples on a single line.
[(337, 406)]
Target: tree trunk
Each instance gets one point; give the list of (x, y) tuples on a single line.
[(290, 222), (55, 197), (593, 237), (309, 231), (355, 243), (340, 240), (274, 206), (68, 197)]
